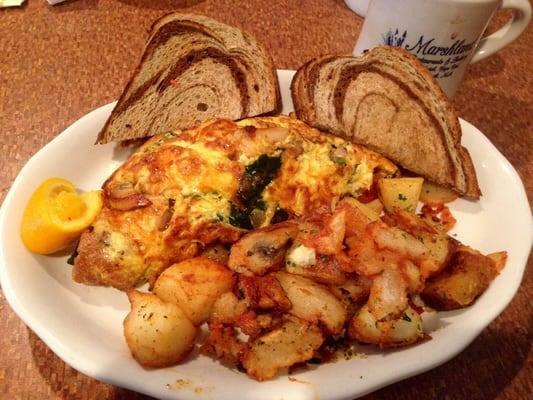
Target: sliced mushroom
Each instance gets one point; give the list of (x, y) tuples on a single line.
[(263, 249), (128, 203), (166, 217)]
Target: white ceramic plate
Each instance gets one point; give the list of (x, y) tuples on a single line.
[(360, 7), (83, 325)]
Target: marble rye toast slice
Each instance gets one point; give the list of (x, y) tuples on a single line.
[(193, 69), (388, 101)]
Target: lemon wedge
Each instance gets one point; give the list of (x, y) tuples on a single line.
[(56, 215)]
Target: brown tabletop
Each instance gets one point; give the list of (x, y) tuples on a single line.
[(58, 63)]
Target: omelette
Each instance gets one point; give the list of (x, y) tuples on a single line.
[(182, 191)]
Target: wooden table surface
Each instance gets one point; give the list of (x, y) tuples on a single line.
[(58, 63)]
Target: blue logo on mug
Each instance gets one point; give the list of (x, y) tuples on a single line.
[(441, 61), (394, 38)]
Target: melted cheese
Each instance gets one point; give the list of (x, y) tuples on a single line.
[(361, 179), (314, 178), (214, 174), (314, 165)]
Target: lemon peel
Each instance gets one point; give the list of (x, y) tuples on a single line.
[(56, 215)]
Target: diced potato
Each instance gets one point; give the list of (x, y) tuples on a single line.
[(440, 247), (499, 258), (388, 294), (216, 252), (263, 293), (353, 292), (402, 193), (467, 276), (434, 194), (312, 302), (400, 332), (325, 236), (159, 334), (227, 307), (375, 205), (356, 289), (194, 285), (293, 342), (407, 329), (399, 242), (369, 210), (324, 269), (223, 344)]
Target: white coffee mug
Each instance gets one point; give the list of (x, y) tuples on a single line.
[(444, 34)]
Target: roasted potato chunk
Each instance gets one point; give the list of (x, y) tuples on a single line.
[(432, 193), (375, 205), (499, 258), (399, 332), (263, 292), (312, 301), (388, 294), (360, 213), (194, 285), (223, 344), (400, 193), (294, 341), (158, 333), (353, 292), (324, 233), (408, 222), (464, 279), (227, 307), (440, 248), (326, 269), (216, 252), (356, 289)]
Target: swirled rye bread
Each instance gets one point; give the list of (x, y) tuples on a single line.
[(388, 101), (193, 69)]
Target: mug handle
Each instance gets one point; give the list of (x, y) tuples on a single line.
[(507, 33)]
